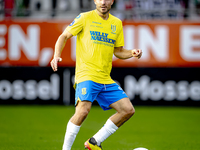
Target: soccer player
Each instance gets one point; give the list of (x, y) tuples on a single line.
[(99, 36)]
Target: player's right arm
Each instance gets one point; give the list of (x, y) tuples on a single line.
[(60, 44)]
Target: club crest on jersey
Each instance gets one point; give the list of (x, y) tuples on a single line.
[(113, 28), (83, 91)]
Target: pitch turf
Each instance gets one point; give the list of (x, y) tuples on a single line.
[(155, 128)]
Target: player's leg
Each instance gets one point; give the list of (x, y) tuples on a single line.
[(74, 124), (125, 111), (82, 110), (85, 95), (113, 97)]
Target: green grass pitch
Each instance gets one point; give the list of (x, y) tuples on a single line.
[(153, 127)]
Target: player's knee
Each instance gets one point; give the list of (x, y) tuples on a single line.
[(132, 111), (83, 108), (129, 111), (84, 112)]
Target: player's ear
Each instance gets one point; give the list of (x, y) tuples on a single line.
[(112, 2)]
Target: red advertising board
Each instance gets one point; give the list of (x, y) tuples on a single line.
[(164, 44)]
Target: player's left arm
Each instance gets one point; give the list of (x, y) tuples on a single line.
[(123, 53)]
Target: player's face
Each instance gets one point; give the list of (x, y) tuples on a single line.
[(103, 6)]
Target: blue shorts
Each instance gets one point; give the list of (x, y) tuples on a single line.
[(104, 94)]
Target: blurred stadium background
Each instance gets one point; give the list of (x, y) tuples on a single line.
[(164, 85)]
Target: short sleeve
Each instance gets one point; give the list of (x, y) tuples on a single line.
[(120, 39), (77, 25)]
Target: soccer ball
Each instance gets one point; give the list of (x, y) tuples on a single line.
[(140, 148)]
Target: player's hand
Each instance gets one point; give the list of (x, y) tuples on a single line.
[(54, 63), (137, 53)]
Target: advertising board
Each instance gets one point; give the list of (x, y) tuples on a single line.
[(144, 86), (164, 44), (167, 74)]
